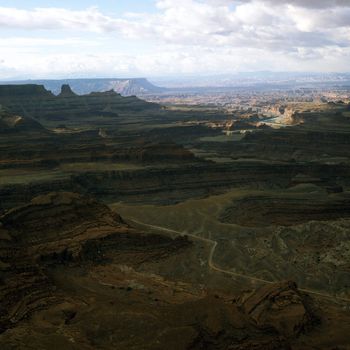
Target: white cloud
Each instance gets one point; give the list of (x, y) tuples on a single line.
[(90, 19), (25, 42), (171, 61), (190, 36)]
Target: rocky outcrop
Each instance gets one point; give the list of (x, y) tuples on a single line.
[(57, 229), (66, 91), (36, 102), (58, 222), (269, 318), (280, 307)]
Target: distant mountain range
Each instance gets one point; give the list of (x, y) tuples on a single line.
[(264, 80), (125, 87)]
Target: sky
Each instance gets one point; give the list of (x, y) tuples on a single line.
[(160, 38)]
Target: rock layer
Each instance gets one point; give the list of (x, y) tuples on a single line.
[(62, 228), (280, 307), (287, 210)]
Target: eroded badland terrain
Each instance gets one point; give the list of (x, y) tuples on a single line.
[(125, 224)]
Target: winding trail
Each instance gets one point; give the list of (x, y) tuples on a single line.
[(212, 265)]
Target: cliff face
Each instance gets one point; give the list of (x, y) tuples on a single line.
[(36, 102)]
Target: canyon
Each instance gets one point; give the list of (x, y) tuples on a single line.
[(132, 225)]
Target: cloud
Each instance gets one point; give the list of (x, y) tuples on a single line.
[(170, 61), (252, 23), (189, 35), (303, 3), (24, 42), (90, 19), (318, 20)]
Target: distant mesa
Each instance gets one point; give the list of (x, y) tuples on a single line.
[(8, 91), (125, 87)]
